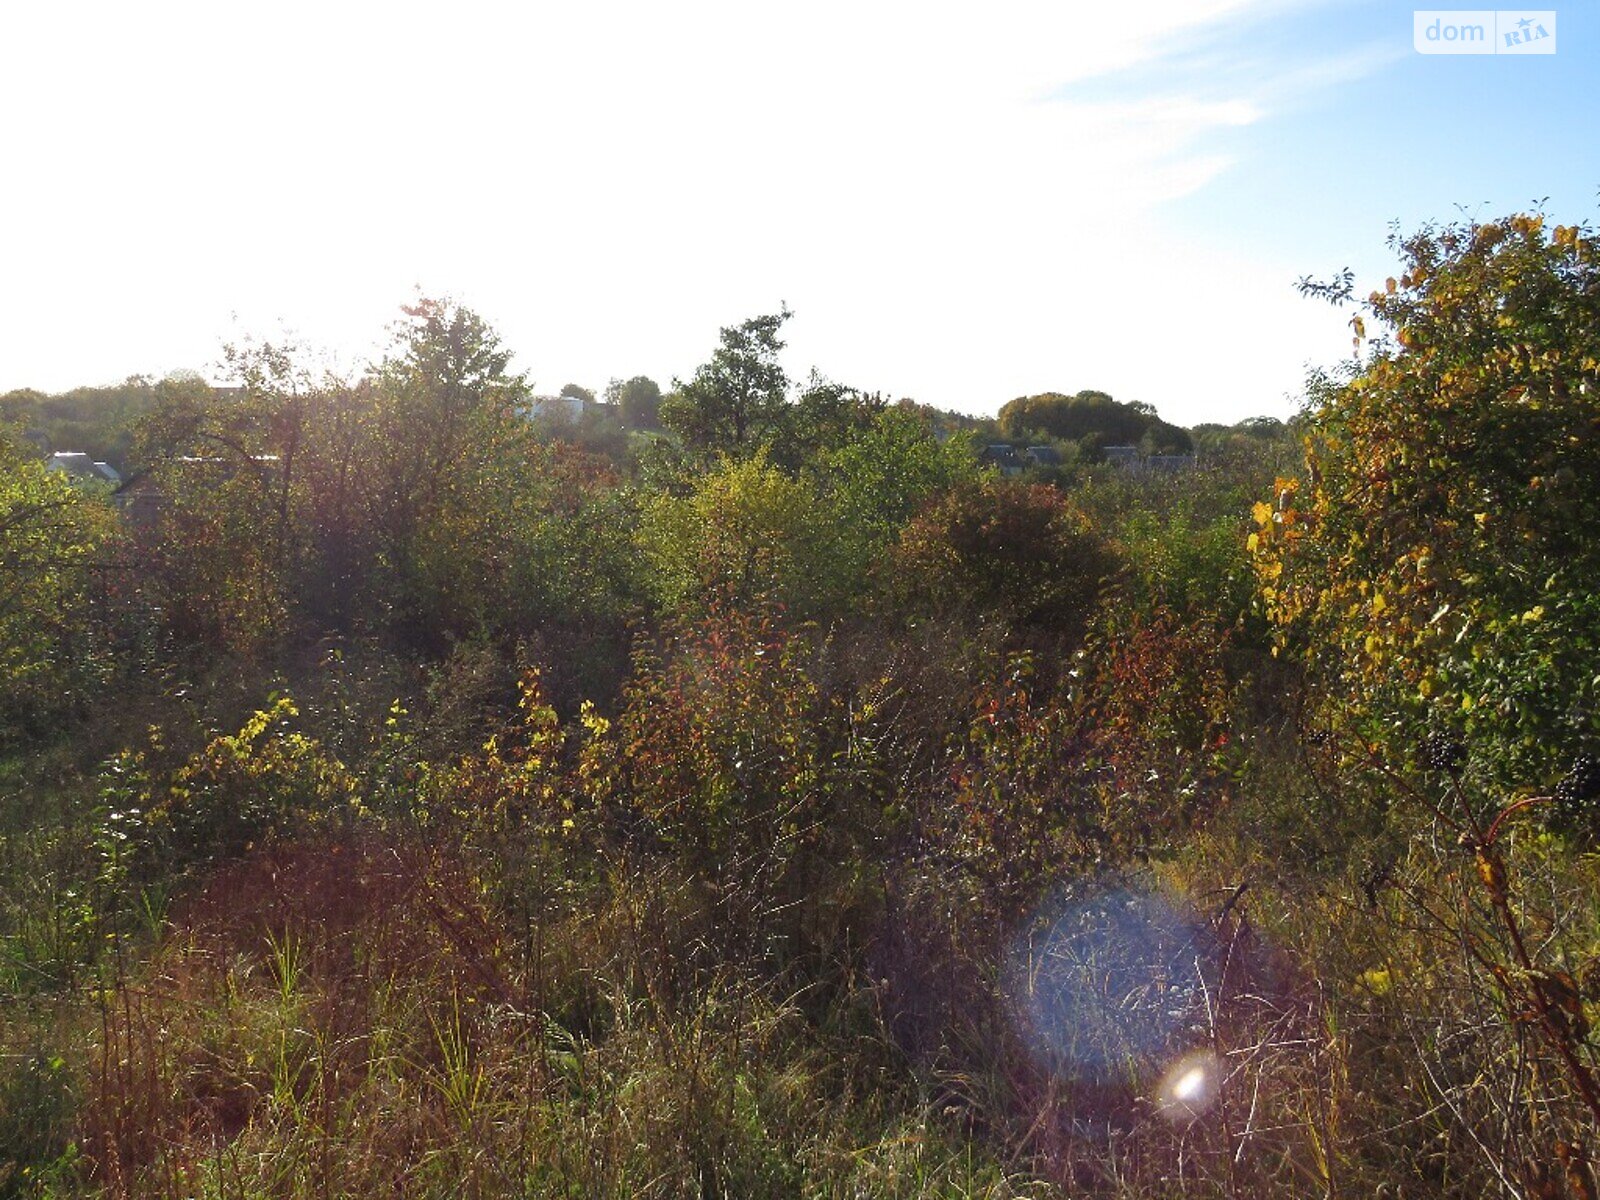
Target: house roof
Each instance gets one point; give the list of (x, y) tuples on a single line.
[(567, 407), (79, 465)]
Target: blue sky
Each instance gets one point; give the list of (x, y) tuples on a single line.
[(1414, 139), (960, 205)]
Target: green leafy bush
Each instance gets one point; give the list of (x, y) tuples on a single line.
[(1439, 555), (268, 780), (746, 534)]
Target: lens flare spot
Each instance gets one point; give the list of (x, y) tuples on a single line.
[(1102, 980), (1190, 1087)]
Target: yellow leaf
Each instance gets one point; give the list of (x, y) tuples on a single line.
[(1377, 981), (1493, 874)]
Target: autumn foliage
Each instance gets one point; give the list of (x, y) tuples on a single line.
[(403, 794)]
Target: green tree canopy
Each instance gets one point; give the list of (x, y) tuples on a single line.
[(738, 400), (883, 476), (389, 496), (1070, 418), (1092, 419), (639, 401), (825, 416), (749, 533)]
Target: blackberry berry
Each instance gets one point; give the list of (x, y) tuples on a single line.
[(1444, 753), (1576, 809), (1581, 783)]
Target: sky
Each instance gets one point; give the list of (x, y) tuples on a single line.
[(959, 204)]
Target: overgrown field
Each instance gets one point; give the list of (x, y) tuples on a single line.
[(750, 792)]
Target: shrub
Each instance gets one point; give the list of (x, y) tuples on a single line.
[(1022, 553), (1439, 553), (267, 780), (746, 534)]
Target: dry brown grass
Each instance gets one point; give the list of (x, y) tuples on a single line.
[(351, 1020)]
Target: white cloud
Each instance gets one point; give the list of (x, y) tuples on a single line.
[(611, 182)]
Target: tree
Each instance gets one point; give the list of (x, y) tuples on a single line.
[(639, 401), (365, 496), (1161, 438), (1087, 415), (749, 533), (51, 537), (215, 544), (1437, 560), (1264, 428), (825, 416), (443, 405), (97, 420), (446, 379), (881, 477), (20, 408), (739, 399)]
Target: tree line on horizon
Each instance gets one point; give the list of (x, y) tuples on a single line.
[(102, 420)]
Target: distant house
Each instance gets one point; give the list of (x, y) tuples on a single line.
[(142, 500), (1170, 463), (1129, 459), (1003, 458), (144, 496), (79, 467), (1044, 456), (567, 409)]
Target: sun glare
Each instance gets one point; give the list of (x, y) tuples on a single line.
[(1190, 1087)]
